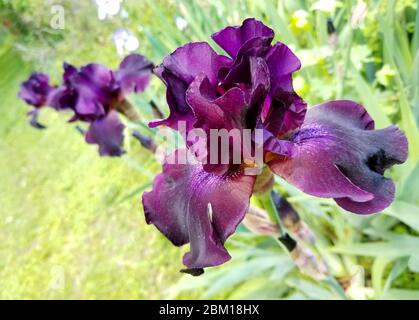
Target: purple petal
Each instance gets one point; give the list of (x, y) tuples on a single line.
[(35, 90), (194, 58), (260, 80), (93, 84), (339, 155), (283, 109), (179, 69), (228, 111), (69, 71), (225, 112), (188, 204), (179, 109), (283, 112), (231, 39), (133, 74), (107, 133), (62, 98), (276, 146), (282, 62), (240, 70)]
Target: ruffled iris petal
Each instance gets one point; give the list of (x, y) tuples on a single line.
[(178, 70), (232, 39), (93, 84), (133, 74), (62, 98), (35, 90), (283, 110), (339, 155), (188, 204), (179, 109), (282, 62), (69, 71), (225, 112), (107, 133)]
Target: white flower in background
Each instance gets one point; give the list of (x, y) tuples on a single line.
[(124, 14), (327, 6), (181, 23), (299, 19), (358, 14), (125, 41), (108, 8)]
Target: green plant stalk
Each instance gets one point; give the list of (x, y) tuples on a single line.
[(415, 39), (268, 204), (346, 63)]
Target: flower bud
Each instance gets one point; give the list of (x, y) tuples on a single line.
[(257, 221), (145, 141), (308, 263), (291, 219)]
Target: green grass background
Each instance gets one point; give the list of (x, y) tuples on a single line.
[(67, 228)]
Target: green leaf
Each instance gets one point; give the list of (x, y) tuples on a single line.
[(401, 294), (405, 212), (244, 271), (414, 263), (398, 269)]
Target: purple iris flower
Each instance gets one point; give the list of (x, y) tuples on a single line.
[(36, 91), (96, 94), (330, 150)]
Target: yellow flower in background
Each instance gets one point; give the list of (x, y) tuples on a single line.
[(299, 21), (385, 75)]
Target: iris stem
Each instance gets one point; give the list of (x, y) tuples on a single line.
[(347, 58), (269, 205)]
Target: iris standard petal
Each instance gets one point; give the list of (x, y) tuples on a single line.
[(225, 112), (62, 98), (282, 62), (339, 155), (194, 58), (107, 133), (178, 70), (133, 74), (188, 204), (179, 109), (93, 84), (232, 39), (283, 110), (69, 71), (35, 90)]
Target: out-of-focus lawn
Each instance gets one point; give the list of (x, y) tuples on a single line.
[(65, 229)]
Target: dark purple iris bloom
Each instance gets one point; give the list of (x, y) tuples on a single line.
[(332, 151), (36, 91), (95, 94), (339, 155)]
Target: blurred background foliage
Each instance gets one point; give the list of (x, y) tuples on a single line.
[(71, 225)]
